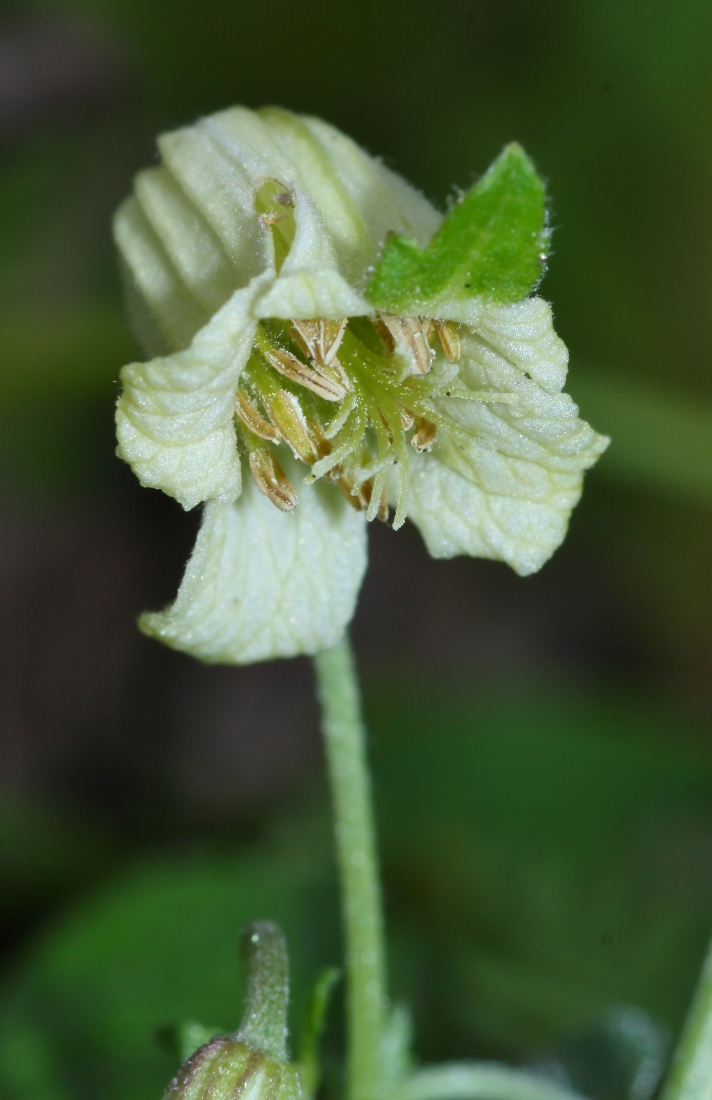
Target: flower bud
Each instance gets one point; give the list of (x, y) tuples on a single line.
[(251, 1064), (226, 1068)]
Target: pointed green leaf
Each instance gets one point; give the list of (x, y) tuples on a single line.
[(309, 1065), (492, 243)]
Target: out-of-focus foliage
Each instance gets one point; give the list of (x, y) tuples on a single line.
[(544, 861)]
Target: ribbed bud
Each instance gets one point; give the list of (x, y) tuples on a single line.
[(253, 1064), (230, 1069)]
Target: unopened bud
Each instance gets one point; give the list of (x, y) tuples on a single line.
[(226, 1068), (252, 1064)]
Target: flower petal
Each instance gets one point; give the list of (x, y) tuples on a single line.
[(455, 516), (263, 583), (386, 202), (522, 331), (502, 481), (175, 417)]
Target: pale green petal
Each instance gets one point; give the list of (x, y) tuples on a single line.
[(502, 486), (164, 313), (220, 180), (274, 144), (386, 202), (522, 331), (193, 246), (175, 417), (455, 516), (263, 583), (310, 283)]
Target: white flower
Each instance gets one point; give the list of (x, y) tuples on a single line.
[(248, 254)]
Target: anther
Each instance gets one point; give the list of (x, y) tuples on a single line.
[(411, 332), (292, 368), (449, 340), (256, 423), (320, 340), (271, 480), (286, 415), (358, 494), (424, 435)]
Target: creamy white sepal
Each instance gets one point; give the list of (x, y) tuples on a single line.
[(263, 583), (501, 483), (175, 417)]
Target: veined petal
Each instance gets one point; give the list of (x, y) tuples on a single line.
[(164, 314), (386, 202), (262, 583), (455, 516), (174, 418), (522, 331), (310, 283), (502, 481)]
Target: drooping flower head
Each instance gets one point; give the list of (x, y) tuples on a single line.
[(328, 350)]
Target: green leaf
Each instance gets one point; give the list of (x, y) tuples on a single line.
[(309, 1064), (492, 243)]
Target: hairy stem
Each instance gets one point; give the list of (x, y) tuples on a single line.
[(358, 866)]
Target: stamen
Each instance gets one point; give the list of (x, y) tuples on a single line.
[(348, 366), (320, 340), (250, 417), (271, 480), (355, 495), (292, 368), (411, 332), (344, 444), (286, 414), (389, 344), (449, 340), (424, 435)]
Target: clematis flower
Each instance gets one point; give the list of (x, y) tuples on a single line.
[(327, 349)]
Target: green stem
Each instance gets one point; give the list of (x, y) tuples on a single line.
[(690, 1076), (358, 866)]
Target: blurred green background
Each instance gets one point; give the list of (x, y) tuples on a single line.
[(541, 747)]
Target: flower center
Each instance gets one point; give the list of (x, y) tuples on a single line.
[(349, 398)]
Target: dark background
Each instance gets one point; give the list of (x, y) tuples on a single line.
[(541, 747)]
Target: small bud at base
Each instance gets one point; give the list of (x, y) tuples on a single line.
[(228, 1069)]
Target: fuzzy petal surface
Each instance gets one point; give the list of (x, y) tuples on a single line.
[(175, 417), (262, 583), (502, 482), (522, 331)]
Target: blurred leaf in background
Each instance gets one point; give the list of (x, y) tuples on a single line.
[(545, 860)]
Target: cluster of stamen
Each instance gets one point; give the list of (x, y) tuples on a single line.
[(347, 397)]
